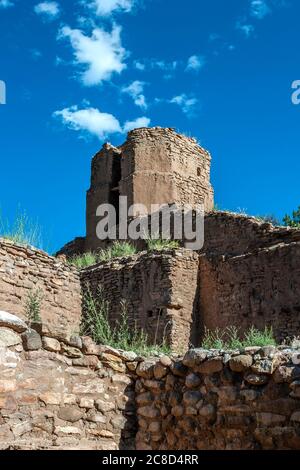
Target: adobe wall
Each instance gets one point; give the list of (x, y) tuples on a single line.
[(214, 400), (24, 269), (259, 288), (160, 290), (65, 392)]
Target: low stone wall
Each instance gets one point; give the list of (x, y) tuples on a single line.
[(63, 392), (160, 290), (212, 400), (24, 269), (259, 288)]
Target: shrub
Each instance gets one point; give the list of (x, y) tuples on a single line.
[(229, 338), (23, 230), (123, 336), (294, 220), (33, 306), (160, 244)]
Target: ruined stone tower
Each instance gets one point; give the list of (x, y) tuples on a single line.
[(154, 166)]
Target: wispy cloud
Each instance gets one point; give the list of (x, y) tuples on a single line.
[(35, 54), (108, 7), (6, 3), (152, 64), (186, 103), (195, 63), (246, 28), (99, 55), (136, 91), (93, 122), (49, 10), (259, 9)]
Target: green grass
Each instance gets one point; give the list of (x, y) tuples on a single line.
[(229, 338), (160, 245), (84, 260), (23, 230), (96, 324), (118, 249)]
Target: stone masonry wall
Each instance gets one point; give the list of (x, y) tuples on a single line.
[(62, 392), (59, 391), (230, 234), (217, 400), (154, 166), (24, 270), (259, 288), (160, 290)]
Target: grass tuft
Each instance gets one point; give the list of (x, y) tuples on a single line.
[(160, 244), (84, 260), (118, 249), (229, 338), (23, 230)]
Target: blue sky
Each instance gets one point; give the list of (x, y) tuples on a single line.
[(79, 73)]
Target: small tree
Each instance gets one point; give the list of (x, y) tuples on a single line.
[(33, 306), (293, 221)]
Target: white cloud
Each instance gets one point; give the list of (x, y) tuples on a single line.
[(93, 121), (49, 10), (153, 64), (136, 91), (247, 29), (101, 55), (187, 104), (196, 63), (259, 9), (89, 120), (140, 122), (108, 7), (6, 3), (139, 65)]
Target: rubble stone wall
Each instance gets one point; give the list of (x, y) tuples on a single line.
[(160, 291), (24, 270), (229, 234), (213, 400), (154, 166), (63, 392), (259, 288), (59, 391)]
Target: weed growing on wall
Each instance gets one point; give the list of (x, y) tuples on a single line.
[(33, 306), (160, 245), (123, 336), (117, 250), (23, 230), (229, 338)]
